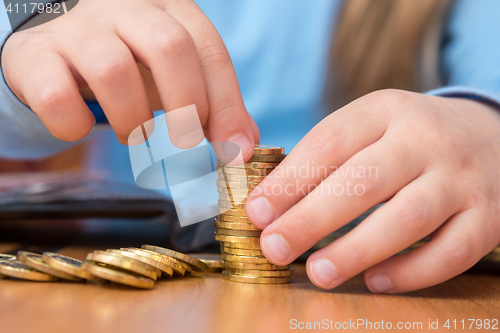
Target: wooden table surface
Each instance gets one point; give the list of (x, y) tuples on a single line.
[(206, 303)]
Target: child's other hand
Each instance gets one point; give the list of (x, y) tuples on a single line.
[(98, 43), (436, 160)]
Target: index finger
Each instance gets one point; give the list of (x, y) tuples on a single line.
[(228, 120), (322, 151)]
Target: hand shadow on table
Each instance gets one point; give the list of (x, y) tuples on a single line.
[(474, 285)]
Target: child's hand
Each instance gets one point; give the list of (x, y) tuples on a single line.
[(98, 43), (436, 160)]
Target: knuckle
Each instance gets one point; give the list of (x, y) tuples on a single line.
[(172, 43), (363, 185), (460, 255), (226, 111), (112, 69), (214, 54), (413, 213), (50, 99), (358, 254), (387, 100), (307, 226), (387, 96), (324, 142)]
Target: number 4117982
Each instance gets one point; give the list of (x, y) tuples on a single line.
[(487, 324), (35, 6)]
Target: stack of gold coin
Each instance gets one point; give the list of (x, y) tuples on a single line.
[(239, 239)]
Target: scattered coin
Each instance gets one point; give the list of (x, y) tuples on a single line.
[(160, 267), (7, 257), (16, 269), (179, 270), (125, 263), (212, 260), (117, 276), (35, 261), (70, 266), (196, 264)]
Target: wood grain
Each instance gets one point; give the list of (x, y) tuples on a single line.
[(206, 303)]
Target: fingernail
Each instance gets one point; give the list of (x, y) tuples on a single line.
[(242, 141), (184, 127), (191, 139), (149, 127), (276, 248), (260, 211), (324, 273), (136, 137), (379, 283)]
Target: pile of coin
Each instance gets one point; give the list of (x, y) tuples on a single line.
[(239, 239), (134, 267)]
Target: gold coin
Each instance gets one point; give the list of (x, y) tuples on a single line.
[(126, 263), (7, 257), (118, 276), (240, 212), (18, 270), (245, 246), (243, 171), (258, 267), (231, 205), (268, 150), (237, 232), (35, 261), (234, 191), (242, 252), (212, 260), (160, 267), (179, 270), (196, 264), (267, 158), (236, 226), (232, 218), (69, 265), (240, 178), (254, 272), (233, 198), (251, 165), (245, 259), (254, 279), (236, 239), (236, 185)]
